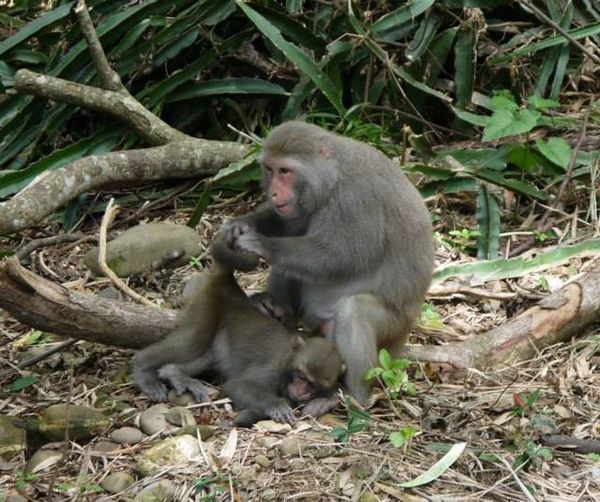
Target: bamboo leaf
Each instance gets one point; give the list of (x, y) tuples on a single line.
[(35, 26), (483, 271), (437, 469), (488, 221), (405, 14), (304, 63), (242, 85)]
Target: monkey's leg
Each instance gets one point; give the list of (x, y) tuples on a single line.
[(173, 348), (178, 376), (360, 322), (248, 394)]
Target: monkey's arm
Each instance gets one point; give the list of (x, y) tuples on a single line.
[(311, 257), (264, 219)]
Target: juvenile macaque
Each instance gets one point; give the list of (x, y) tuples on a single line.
[(349, 241), (221, 331)]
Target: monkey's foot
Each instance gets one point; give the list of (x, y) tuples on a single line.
[(152, 387), (320, 405), (281, 413), (182, 383)]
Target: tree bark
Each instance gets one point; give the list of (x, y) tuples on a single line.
[(556, 318), (44, 305)]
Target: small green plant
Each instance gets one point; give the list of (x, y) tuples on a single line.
[(430, 317), (24, 478), (392, 372), (358, 421), (213, 485), (543, 283), (530, 453), (524, 402), (540, 236), (79, 488), (404, 436), (464, 239)]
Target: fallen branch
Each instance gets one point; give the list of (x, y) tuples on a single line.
[(109, 216), (556, 318), (122, 105), (47, 306)]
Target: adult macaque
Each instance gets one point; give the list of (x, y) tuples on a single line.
[(221, 331), (348, 238)]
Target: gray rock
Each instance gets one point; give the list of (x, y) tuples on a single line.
[(12, 438), (291, 446), (42, 460), (116, 482), (171, 451), (181, 399), (127, 435), (264, 461), (83, 421), (180, 417), (154, 420), (161, 491), (205, 431), (147, 247)]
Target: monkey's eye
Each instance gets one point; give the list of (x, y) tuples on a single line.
[(284, 170)]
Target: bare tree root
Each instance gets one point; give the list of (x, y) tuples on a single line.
[(556, 318), (175, 154)]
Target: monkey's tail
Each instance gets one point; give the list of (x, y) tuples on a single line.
[(228, 259)]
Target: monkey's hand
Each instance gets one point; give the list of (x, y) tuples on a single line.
[(251, 241), (231, 230), (320, 405), (281, 412)]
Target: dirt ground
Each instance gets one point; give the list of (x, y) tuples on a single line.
[(503, 416)]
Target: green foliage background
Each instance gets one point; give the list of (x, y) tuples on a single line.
[(416, 72)]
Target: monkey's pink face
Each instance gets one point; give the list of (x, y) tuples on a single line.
[(300, 388), (281, 175)]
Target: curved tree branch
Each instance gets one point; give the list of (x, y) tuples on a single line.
[(122, 105), (109, 78), (181, 159), (47, 306)]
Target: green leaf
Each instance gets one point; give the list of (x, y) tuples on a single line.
[(481, 272), (506, 123), (203, 202), (36, 26), (471, 118), (385, 359), (556, 150), (425, 33), (405, 14), (293, 6), (543, 104), (464, 64), (292, 29), (22, 383), (437, 469), (590, 30), (304, 63), (523, 157), (242, 85), (488, 221)]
